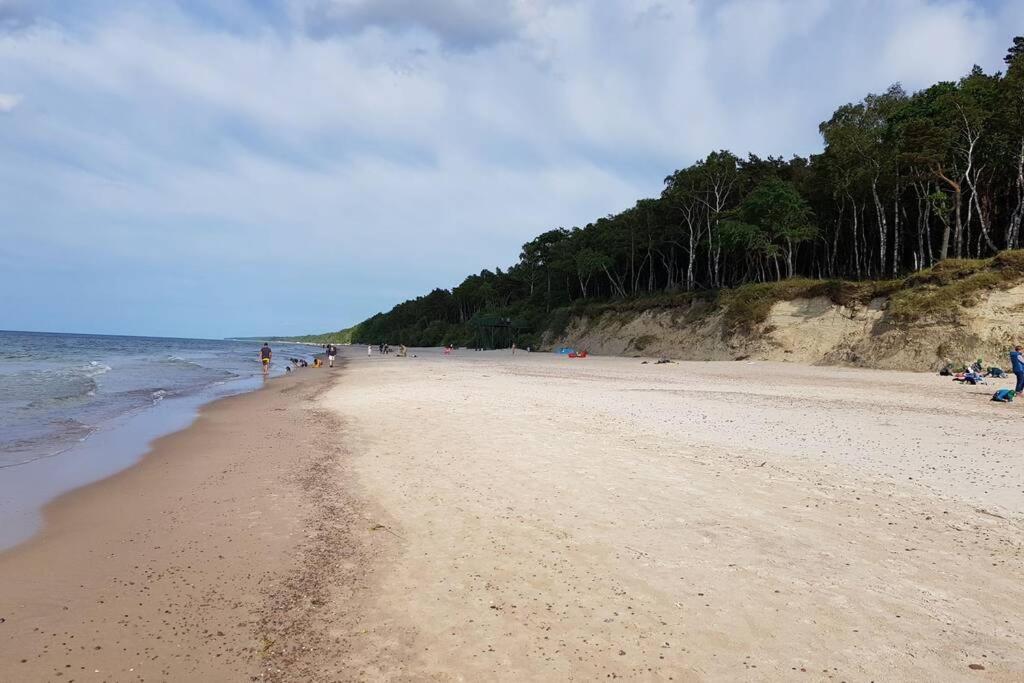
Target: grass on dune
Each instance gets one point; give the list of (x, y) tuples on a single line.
[(938, 293), (934, 294)]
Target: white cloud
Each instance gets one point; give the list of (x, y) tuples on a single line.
[(461, 24), (419, 141), (8, 102)]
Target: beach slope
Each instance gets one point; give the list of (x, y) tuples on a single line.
[(484, 516), (207, 561)]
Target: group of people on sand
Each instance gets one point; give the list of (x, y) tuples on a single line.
[(972, 373), (267, 355), (976, 373), (385, 350)]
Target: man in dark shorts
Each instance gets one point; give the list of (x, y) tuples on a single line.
[(265, 354)]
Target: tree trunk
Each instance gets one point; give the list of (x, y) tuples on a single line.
[(856, 240), (924, 208), (616, 285), (1013, 229), (896, 232), (835, 240), (983, 218), (883, 227), (958, 230)]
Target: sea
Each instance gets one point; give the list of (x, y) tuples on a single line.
[(78, 407)]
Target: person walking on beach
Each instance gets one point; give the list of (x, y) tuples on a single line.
[(1017, 363), (265, 354), (369, 350), (332, 351)]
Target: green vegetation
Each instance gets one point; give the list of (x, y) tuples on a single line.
[(749, 305), (905, 182), (937, 293), (340, 337)]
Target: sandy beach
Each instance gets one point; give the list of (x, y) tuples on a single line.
[(490, 517), (196, 563)]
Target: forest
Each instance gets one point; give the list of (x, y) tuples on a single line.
[(904, 181)]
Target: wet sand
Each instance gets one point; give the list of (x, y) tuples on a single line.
[(196, 564), (489, 517)]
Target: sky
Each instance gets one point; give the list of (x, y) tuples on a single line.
[(215, 168)]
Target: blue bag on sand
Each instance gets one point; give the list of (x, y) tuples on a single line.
[(1004, 395)]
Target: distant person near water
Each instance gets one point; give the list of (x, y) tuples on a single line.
[(369, 350), (265, 354), (332, 351), (1017, 362)]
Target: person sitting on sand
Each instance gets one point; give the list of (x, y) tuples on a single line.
[(265, 354), (1017, 364)]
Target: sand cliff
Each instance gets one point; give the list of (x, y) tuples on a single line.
[(812, 330)]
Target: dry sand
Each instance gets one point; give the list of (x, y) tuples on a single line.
[(575, 520), (489, 517)]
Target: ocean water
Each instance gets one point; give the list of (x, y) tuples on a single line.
[(56, 390), (77, 408)]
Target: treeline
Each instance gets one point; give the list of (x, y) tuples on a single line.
[(903, 182)]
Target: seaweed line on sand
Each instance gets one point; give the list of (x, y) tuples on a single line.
[(307, 627)]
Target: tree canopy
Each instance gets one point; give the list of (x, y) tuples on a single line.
[(904, 180)]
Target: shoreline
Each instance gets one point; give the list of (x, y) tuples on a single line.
[(494, 517), (117, 444), (78, 408), (191, 561)]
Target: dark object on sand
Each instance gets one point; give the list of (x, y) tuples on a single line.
[(662, 361)]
